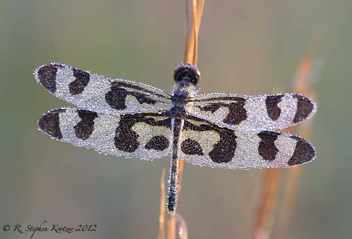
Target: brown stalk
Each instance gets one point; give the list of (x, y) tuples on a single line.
[(300, 85), (197, 7), (182, 231), (191, 53), (190, 56), (162, 206), (265, 213), (267, 201)]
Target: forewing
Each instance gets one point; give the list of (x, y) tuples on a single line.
[(252, 113), (205, 144), (145, 135), (98, 93)]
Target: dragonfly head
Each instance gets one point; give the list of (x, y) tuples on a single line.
[(187, 74)]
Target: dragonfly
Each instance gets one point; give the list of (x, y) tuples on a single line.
[(135, 120)]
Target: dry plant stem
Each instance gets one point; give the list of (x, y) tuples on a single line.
[(293, 181), (300, 85), (191, 53), (264, 215), (190, 57), (251, 209), (180, 174), (183, 231), (289, 200), (162, 206), (171, 226), (186, 27), (195, 26)]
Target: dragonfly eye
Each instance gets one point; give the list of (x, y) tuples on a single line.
[(187, 73)]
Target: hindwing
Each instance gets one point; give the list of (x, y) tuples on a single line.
[(144, 135), (206, 144)]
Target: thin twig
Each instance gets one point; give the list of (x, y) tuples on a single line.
[(186, 26), (190, 57), (191, 54), (197, 7), (265, 214), (183, 231), (267, 200), (301, 84), (162, 206), (171, 226), (195, 24)]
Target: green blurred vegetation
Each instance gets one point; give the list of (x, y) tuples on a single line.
[(247, 47)]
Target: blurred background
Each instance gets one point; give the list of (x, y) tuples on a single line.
[(245, 47)]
